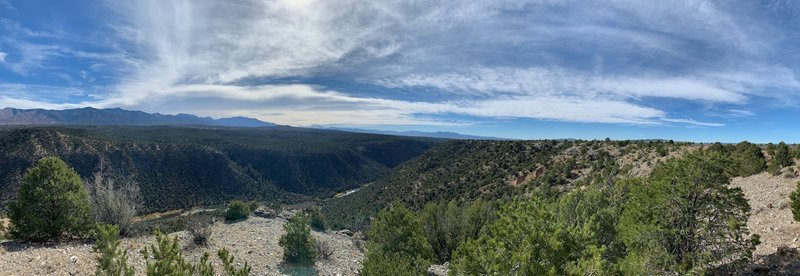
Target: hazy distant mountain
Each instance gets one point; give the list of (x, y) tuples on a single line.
[(438, 134), (115, 116)]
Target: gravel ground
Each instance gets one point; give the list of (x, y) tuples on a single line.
[(254, 241), (771, 215), (771, 218)]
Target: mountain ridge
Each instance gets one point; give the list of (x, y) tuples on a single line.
[(116, 116), (415, 133)]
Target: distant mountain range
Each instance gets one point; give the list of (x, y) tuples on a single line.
[(115, 116), (122, 117), (437, 134)]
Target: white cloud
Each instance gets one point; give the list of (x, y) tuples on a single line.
[(691, 122), (543, 82), (31, 56), (495, 59), (13, 27), (6, 101), (221, 42), (2, 57), (304, 105), (741, 113), (678, 88)]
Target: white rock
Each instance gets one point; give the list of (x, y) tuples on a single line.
[(73, 259)]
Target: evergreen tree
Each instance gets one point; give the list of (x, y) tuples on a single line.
[(795, 202), (396, 235), (571, 235), (167, 258), (298, 244), (237, 210), (717, 147), (686, 218), (748, 159), (780, 159), (111, 260), (447, 225), (52, 203)]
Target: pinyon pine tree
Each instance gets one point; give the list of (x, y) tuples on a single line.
[(397, 244), (52, 203), (298, 244), (686, 219), (111, 261)]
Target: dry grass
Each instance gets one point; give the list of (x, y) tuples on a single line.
[(199, 228), (114, 201)]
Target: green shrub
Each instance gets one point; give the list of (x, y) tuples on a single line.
[(111, 260), (384, 263), (237, 210), (397, 245), (448, 225), (52, 203), (317, 221), (781, 158), (298, 244), (795, 198), (528, 239), (165, 258), (574, 234), (252, 206), (661, 150), (227, 264)]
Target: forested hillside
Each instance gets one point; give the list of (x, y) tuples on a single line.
[(179, 167), (468, 170), (571, 208)]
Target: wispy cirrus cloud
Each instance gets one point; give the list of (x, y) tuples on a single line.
[(559, 81), (400, 62), (741, 113)]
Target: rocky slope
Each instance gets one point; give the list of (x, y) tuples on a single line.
[(771, 218)]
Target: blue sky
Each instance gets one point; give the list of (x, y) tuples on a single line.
[(683, 70)]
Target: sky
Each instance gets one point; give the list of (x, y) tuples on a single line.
[(684, 70)]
